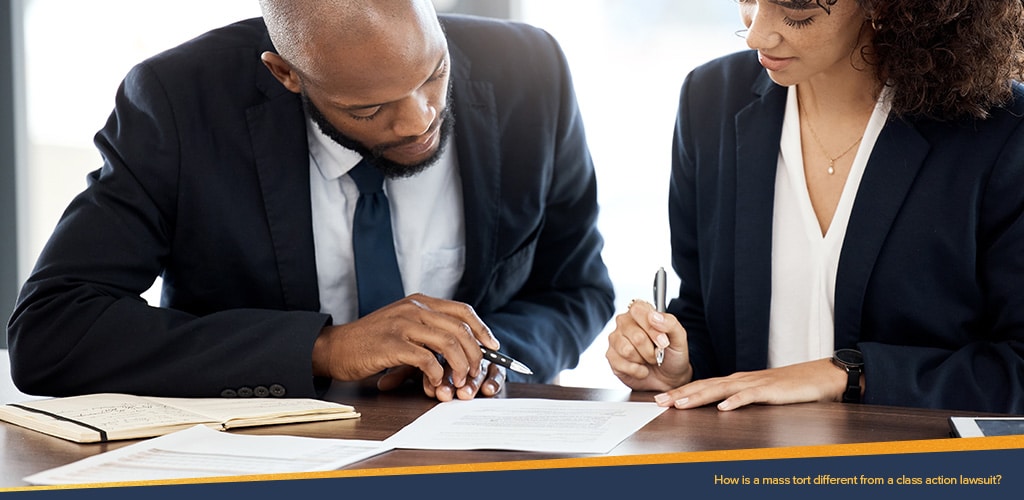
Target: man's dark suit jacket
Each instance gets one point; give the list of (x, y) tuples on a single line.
[(930, 284), (206, 182)]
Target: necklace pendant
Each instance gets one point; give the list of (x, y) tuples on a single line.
[(831, 168)]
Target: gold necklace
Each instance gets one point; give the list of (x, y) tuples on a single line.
[(831, 159)]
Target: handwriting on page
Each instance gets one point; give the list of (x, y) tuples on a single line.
[(120, 414), (221, 409)]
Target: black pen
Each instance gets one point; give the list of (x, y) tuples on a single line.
[(506, 361), (659, 305)]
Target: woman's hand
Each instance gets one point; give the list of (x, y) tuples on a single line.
[(817, 380), (632, 349)]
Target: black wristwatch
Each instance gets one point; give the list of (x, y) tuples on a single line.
[(852, 361)]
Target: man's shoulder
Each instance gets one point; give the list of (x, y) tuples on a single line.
[(223, 61), (249, 35), (513, 57), (469, 26), (483, 38)]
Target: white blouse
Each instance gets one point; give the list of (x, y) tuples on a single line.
[(804, 263)]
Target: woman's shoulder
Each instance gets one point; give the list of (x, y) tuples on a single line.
[(736, 67), (1007, 117), (1016, 104), (726, 84)]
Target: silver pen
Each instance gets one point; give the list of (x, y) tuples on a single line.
[(659, 305), (505, 360)]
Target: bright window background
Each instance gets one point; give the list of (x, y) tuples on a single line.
[(76, 53), (628, 59)]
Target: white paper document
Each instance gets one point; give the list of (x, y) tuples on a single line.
[(544, 425), (200, 452)]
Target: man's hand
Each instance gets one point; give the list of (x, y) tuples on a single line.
[(411, 332), (488, 383)]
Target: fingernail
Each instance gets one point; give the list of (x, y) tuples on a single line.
[(682, 402), (466, 391), (662, 341), (661, 399), (657, 317), (724, 405)]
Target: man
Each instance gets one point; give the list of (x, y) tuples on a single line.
[(230, 170)]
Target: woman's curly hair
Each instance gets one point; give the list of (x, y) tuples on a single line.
[(947, 59)]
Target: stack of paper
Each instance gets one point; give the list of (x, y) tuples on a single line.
[(201, 452), (499, 424)]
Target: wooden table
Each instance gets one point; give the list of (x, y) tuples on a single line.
[(24, 452)]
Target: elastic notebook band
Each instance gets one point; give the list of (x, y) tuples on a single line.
[(103, 433)]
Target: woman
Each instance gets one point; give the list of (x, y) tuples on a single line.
[(853, 185)]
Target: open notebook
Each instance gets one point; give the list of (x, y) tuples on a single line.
[(108, 417)]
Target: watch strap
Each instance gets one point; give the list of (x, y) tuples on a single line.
[(854, 369), (852, 393)]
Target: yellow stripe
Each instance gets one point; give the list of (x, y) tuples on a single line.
[(840, 450)]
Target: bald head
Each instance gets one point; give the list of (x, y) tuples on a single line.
[(308, 33), (373, 74)]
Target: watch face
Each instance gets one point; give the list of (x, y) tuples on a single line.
[(850, 357)]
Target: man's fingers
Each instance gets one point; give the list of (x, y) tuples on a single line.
[(415, 331), (443, 328), (464, 313), (393, 378), (495, 380)]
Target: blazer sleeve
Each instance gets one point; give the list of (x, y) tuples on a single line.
[(80, 325), (703, 215), (689, 307), (567, 296)]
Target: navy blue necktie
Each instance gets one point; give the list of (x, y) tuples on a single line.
[(377, 276)]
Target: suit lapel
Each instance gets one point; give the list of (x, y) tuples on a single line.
[(883, 188), (278, 131), (476, 139), (757, 155)]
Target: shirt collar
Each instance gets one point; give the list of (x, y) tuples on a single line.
[(332, 159)]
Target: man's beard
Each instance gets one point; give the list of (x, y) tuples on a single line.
[(375, 155)]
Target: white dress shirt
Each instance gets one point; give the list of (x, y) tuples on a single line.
[(427, 220), (804, 263)]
